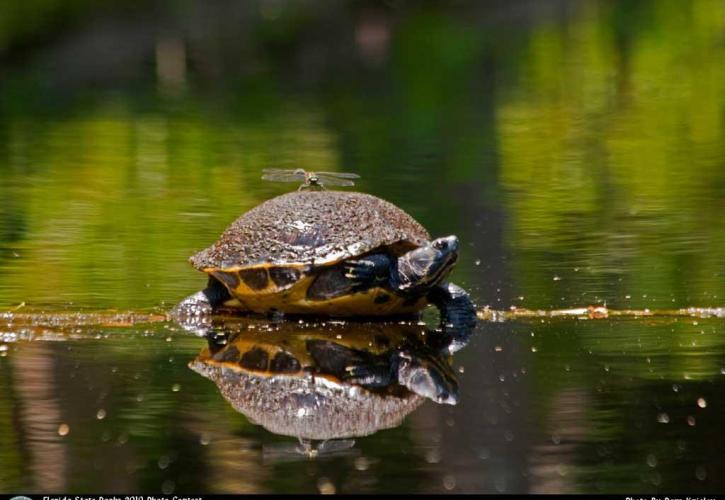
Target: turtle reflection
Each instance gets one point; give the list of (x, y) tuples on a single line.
[(322, 382)]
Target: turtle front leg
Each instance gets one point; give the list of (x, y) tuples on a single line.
[(368, 270), (455, 306), (351, 365)]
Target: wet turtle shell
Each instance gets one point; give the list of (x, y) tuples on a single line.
[(313, 227), (273, 256)]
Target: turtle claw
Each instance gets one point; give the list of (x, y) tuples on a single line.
[(360, 271)]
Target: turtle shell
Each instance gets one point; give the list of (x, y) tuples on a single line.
[(313, 228)]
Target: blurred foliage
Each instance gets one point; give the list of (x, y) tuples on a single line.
[(612, 147)]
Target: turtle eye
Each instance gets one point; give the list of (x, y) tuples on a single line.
[(440, 244)]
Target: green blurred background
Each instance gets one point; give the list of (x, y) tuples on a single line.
[(577, 140)]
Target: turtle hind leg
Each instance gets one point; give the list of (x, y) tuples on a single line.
[(455, 306), (204, 301), (194, 312), (216, 293)]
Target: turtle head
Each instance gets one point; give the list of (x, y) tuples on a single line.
[(426, 266), (428, 376)]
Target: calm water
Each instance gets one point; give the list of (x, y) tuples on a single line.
[(577, 150)]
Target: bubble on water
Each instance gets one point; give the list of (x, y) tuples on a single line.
[(3, 347), (533, 349), (168, 487), (663, 418), (461, 369), (651, 460), (176, 387), (449, 482), (478, 262), (164, 462), (433, 456), (325, 486), (701, 402), (484, 453), (500, 484), (204, 439), (63, 429), (700, 473), (362, 463), (557, 278), (101, 414), (691, 421), (498, 348), (675, 388)]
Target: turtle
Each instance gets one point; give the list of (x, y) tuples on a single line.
[(331, 254), (314, 383)]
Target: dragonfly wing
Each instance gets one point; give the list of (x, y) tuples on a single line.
[(282, 175), (334, 181), (280, 178), (341, 175)]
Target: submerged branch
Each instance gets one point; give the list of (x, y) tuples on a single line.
[(597, 312), (16, 324)]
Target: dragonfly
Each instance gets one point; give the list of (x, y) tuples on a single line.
[(307, 448), (309, 180)]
